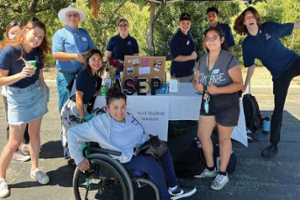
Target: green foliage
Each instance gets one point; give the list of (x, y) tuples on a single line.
[(137, 13), (167, 23)]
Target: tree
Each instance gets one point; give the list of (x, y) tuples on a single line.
[(153, 17)]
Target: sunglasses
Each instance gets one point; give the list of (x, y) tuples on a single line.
[(213, 38), (72, 15)]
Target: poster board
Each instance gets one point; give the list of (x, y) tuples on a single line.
[(144, 67)]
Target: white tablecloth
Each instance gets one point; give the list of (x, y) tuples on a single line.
[(155, 111)]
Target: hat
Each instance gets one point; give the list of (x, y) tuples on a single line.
[(62, 13), (185, 16), (212, 9)]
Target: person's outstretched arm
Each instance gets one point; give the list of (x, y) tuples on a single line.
[(249, 76)]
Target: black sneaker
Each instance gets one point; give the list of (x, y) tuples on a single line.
[(269, 151), (182, 192)]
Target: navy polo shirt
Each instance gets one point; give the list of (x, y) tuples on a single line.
[(183, 45), (10, 59), (121, 47), (225, 28), (87, 84), (267, 47)]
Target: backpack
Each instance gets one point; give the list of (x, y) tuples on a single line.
[(192, 161), (177, 127), (253, 116)]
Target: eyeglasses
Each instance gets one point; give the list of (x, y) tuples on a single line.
[(123, 25), (211, 39), (72, 15)]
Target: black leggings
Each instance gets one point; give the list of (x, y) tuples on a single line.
[(280, 90)]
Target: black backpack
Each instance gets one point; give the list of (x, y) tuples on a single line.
[(192, 161), (253, 116)]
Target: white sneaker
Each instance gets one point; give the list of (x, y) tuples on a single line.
[(219, 182), (182, 192), (20, 156), (207, 174), (39, 176), (4, 192)]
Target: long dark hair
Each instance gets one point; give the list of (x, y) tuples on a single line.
[(113, 95), (239, 25), (44, 49), (86, 65), (220, 34), (8, 27)]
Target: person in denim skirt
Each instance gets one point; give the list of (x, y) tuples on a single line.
[(27, 98), (69, 47), (12, 30), (219, 77)]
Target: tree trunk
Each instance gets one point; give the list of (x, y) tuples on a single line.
[(149, 37), (153, 18)]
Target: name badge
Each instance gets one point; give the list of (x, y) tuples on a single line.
[(215, 71), (188, 42), (84, 39)]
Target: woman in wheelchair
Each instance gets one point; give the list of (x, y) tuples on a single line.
[(116, 129)]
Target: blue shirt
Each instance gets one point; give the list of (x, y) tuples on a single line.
[(87, 84), (10, 59), (183, 45), (69, 40), (121, 47), (267, 47), (225, 28)]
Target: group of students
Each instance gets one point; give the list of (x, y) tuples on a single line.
[(218, 76)]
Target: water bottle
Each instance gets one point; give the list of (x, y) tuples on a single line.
[(266, 125)]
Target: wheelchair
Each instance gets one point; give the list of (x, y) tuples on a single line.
[(107, 178)]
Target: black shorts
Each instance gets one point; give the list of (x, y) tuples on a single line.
[(225, 108)]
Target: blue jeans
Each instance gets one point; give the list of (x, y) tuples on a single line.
[(63, 80), (156, 171)]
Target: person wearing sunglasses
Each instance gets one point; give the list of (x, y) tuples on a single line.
[(183, 50), (212, 14), (219, 77), (69, 47), (121, 44)]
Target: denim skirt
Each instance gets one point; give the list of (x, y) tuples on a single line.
[(26, 104)]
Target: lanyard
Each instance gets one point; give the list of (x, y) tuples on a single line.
[(208, 72)]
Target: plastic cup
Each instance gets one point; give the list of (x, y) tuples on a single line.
[(31, 63)]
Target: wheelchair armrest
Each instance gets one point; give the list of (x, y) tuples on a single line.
[(100, 150)]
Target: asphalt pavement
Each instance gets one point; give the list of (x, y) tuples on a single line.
[(277, 178)]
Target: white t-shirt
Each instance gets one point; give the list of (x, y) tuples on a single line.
[(4, 91), (127, 135)]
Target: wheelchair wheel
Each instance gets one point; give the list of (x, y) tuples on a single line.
[(101, 182)]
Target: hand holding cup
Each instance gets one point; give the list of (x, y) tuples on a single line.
[(29, 69)]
